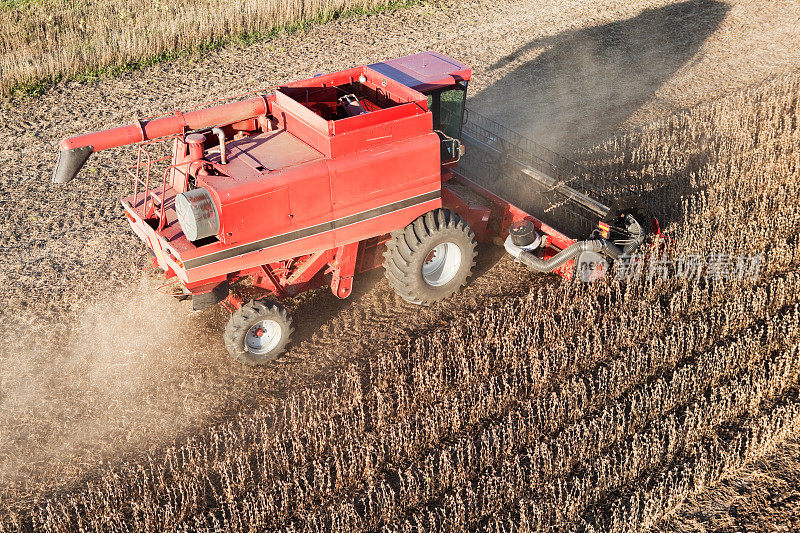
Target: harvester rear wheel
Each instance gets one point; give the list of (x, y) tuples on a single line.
[(258, 332), (431, 258)]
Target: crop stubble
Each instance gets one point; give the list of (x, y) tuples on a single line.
[(735, 160)]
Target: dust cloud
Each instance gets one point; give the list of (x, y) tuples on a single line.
[(125, 371)]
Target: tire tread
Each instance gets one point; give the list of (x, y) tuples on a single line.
[(403, 248)]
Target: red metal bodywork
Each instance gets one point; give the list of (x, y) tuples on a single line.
[(306, 198)]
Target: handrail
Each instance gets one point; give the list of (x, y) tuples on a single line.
[(150, 198)]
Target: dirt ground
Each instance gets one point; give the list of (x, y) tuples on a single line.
[(96, 367)]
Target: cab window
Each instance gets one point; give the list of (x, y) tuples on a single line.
[(447, 107)]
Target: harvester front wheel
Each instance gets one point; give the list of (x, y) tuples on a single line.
[(258, 332), (431, 258)]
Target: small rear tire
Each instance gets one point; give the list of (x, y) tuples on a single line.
[(431, 258), (258, 332)]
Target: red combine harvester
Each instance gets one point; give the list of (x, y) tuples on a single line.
[(320, 179)]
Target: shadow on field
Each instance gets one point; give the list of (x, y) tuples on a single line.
[(580, 86), (577, 89)]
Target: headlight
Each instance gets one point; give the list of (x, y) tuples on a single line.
[(197, 214)]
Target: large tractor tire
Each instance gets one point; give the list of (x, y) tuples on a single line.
[(258, 332), (431, 258)]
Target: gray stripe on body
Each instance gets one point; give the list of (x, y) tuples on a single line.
[(310, 231)]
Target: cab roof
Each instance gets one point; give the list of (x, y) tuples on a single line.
[(425, 71)]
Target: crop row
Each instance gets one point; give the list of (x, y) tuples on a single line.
[(555, 454), (536, 411)]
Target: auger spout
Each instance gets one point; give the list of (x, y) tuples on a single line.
[(75, 151)]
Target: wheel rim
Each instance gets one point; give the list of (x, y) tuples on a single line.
[(263, 337), (442, 264)]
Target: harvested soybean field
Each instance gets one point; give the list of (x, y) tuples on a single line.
[(524, 403)]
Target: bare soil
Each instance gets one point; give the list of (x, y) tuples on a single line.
[(96, 367)]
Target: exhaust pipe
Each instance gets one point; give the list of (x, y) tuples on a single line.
[(223, 152)]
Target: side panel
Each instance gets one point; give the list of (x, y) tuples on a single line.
[(380, 135), (283, 201), (299, 242), (390, 221), (375, 182), (270, 211)]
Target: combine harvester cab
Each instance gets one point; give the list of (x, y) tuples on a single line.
[(320, 179)]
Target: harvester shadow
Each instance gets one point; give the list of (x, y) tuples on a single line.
[(581, 86)]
